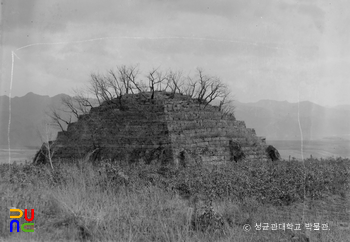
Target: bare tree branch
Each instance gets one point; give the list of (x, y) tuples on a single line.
[(155, 78), (57, 119), (175, 81)]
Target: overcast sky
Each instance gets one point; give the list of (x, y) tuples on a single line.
[(263, 49)]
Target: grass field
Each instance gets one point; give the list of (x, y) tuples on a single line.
[(84, 202)]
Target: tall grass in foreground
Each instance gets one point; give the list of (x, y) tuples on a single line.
[(82, 202)]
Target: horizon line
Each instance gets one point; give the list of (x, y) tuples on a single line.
[(249, 102)]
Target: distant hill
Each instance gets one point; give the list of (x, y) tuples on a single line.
[(27, 118), (278, 120), (275, 120), (343, 107)]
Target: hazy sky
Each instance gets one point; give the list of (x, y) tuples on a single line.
[(263, 49)]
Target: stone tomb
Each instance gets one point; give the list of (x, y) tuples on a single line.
[(169, 129)]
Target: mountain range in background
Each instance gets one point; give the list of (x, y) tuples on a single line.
[(275, 120), (28, 119), (281, 120)]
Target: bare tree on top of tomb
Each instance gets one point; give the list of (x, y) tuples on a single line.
[(71, 108), (155, 80), (58, 119), (125, 80), (175, 82), (206, 88)]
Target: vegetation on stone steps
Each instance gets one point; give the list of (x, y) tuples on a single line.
[(117, 85)]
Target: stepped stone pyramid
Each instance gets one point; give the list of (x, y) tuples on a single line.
[(168, 129)]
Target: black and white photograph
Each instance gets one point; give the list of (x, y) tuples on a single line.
[(175, 120)]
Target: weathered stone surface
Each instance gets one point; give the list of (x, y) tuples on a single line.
[(273, 153), (174, 130)]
